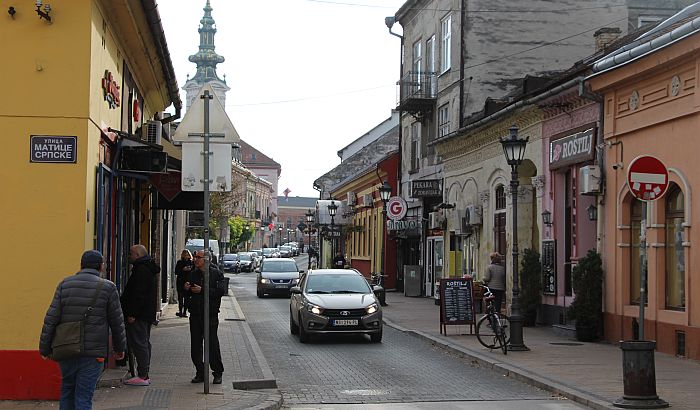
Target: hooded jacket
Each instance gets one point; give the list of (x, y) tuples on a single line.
[(140, 293), (70, 302)]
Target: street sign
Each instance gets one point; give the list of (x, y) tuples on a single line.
[(396, 208), (647, 178)]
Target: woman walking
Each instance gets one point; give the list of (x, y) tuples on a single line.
[(182, 273)]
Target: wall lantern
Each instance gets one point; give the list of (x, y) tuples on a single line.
[(332, 208), (592, 212), (547, 218), (385, 191), (43, 13), (11, 11)]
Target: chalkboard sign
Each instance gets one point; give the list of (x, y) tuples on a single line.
[(456, 302), (549, 267)]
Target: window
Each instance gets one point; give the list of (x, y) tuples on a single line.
[(675, 253), (446, 46), (499, 221), (636, 216), (415, 146), (500, 198), (430, 64), (443, 120), (417, 65)]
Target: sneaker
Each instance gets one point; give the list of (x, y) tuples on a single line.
[(137, 381), (217, 379)]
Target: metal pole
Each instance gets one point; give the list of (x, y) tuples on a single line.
[(332, 237), (381, 274), (642, 270), (309, 247), (207, 256), (516, 319)]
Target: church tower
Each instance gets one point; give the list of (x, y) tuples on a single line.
[(206, 60)]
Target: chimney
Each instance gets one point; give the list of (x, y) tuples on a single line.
[(605, 36)]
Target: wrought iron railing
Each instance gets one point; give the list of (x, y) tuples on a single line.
[(417, 85)]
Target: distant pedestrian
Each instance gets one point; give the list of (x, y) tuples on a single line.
[(182, 271), (339, 261), (72, 302), (139, 305), (495, 279), (194, 287)]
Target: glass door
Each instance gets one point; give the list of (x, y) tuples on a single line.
[(434, 265)]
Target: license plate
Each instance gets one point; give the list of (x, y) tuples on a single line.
[(345, 322), (281, 286)]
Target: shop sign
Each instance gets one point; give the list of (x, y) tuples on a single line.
[(396, 208), (404, 225), (110, 90), (426, 188), (571, 149), (53, 149), (167, 184)]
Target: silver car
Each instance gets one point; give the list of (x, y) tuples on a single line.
[(277, 276), (334, 301)]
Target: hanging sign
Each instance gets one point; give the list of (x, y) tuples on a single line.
[(647, 178), (53, 149), (426, 188), (571, 149), (396, 208)]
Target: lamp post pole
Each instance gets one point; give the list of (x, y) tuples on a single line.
[(332, 209), (385, 194), (309, 220), (262, 237), (279, 236), (514, 150)]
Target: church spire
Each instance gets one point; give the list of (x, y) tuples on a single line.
[(206, 58)]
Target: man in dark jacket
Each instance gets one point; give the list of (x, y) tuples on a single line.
[(70, 303), (139, 305), (194, 288), (339, 261)]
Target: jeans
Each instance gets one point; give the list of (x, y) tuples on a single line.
[(138, 334), (78, 381)]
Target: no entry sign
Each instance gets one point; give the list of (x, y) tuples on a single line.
[(647, 178), (396, 208)]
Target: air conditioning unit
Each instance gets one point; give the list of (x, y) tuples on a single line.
[(368, 200), (352, 199), (154, 132), (589, 180), (436, 220), (473, 215)]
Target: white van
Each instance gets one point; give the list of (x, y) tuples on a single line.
[(198, 244)]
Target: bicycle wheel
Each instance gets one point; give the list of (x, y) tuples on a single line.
[(490, 338)]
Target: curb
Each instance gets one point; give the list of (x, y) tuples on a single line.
[(517, 373), (272, 403)]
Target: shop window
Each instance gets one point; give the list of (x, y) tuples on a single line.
[(675, 254), (636, 212)]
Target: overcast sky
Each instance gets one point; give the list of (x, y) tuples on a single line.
[(307, 77)]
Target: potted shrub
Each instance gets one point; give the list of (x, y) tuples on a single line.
[(531, 279), (587, 307)]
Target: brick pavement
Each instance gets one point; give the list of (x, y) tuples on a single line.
[(589, 373), (172, 369)]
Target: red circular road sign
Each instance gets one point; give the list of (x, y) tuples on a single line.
[(647, 178), (396, 208)]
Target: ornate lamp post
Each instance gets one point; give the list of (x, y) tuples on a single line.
[(514, 150), (332, 209), (262, 237), (309, 221), (384, 194), (279, 240)]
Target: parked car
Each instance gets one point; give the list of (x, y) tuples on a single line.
[(270, 253), (294, 246), (331, 301), (246, 261), (231, 263), (285, 251), (258, 257), (277, 276)]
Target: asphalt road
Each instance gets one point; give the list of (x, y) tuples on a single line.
[(342, 371)]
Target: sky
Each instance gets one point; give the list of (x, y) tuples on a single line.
[(307, 77)]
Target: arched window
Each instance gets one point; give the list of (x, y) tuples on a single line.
[(500, 198), (675, 254), (499, 221), (636, 216)]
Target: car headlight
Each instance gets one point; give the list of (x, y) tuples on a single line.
[(372, 308), (263, 280), (295, 281), (317, 310)]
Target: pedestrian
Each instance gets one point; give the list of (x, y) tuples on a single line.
[(182, 270), (139, 305), (495, 279), (339, 260), (87, 297), (194, 287)]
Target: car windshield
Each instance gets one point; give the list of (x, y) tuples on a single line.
[(245, 257), (337, 284), (279, 266), (231, 257)]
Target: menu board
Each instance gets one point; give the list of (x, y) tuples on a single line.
[(549, 267), (457, 301)]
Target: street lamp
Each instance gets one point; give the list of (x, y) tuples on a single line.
[(279, 240), (384, 194), (309, 220), (245, 235), (262, 237), (332, 209), (289, 231), (514, 150), (547, 218)]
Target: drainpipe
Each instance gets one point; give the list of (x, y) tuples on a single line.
[(389, 21), (462, 22), (586, 93)]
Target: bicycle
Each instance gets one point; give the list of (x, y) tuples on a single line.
[(492, 329)]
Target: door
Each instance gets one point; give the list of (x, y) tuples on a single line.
[(434, 264)]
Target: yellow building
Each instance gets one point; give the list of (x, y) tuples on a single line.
[(79, 82)]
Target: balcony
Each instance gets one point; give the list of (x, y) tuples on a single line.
[(417, 93)]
